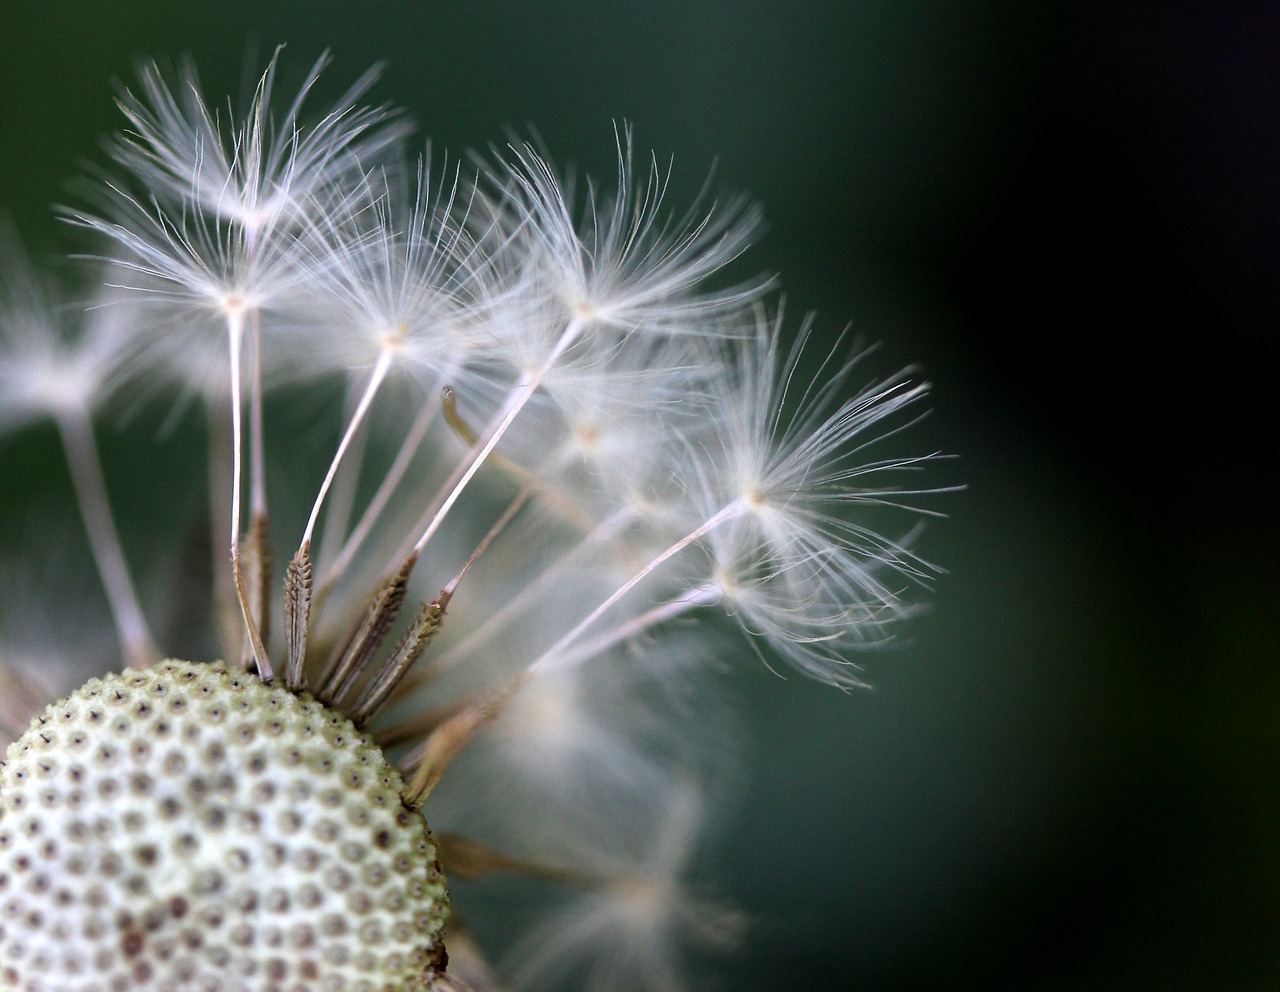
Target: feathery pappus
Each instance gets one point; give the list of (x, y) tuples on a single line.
[(536, 469)]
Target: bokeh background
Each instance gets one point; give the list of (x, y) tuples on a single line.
[(1068, 214)]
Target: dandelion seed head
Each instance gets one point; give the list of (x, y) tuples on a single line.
[(163, 827), (569, 452)]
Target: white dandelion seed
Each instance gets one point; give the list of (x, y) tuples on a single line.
[(255, 171), (626, 263), (60, 364), (565, 447), (799, 563), (774, 496), (639, 916), (216, 238)]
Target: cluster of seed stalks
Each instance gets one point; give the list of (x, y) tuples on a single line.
[(596, 470)]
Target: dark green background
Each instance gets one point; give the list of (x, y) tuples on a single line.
[(1068, 215)]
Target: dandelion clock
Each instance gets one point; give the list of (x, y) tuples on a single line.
[(556, 471)]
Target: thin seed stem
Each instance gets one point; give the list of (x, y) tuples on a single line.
[(104, 540), (639, 624), (257, 434), (260, 657), (224, 597), (430, 618), (235, 333), (572, 511), (555, 657), (342, 497), (527, 594), (376, 378), (514, 507), (493, 434), (395, 475)]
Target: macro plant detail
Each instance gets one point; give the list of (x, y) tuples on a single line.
[(574, 467)]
